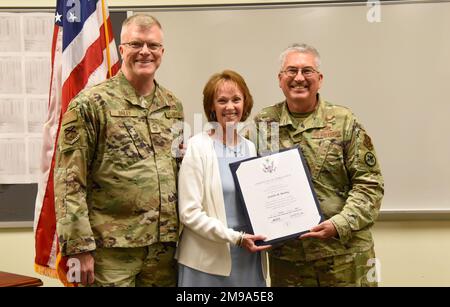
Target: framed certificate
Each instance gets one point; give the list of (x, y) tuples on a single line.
[(278, 195)]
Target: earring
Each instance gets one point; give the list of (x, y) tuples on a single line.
[(212, 116)]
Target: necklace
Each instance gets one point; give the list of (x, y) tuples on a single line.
[(226, 151), (233, 150)]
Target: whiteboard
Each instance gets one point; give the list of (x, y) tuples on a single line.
[(393, 74)]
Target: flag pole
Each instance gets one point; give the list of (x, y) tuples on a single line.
[(108, 59)]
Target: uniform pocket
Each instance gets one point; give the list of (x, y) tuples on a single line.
[(60, 193), (333, 171), (123, 142), (319, 158), (141, 146), (165, 129)]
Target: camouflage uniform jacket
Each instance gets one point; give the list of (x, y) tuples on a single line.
[(345, 174), (115, 175)]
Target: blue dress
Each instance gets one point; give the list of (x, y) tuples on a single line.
[(245, 266)]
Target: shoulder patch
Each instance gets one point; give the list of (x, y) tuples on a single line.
[(370, 159), (69, 117), (71, 135), (368, 142)]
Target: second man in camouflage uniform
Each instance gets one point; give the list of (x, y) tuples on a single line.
[(345, 174), (115, 173)]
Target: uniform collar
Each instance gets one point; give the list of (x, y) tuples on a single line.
[(314, 120), (129, 93)]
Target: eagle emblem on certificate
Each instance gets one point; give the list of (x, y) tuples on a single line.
[(268, 165), (278, 196)]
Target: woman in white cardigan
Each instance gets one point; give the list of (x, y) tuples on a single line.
[(215, 248)]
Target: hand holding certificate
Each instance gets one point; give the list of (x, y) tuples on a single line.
[(278, 195)]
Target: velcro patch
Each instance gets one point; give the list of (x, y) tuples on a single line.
[(370, 159), (326, 133), (368, 142), (124, 113), (174, 114), (71, 135), (69, 117)]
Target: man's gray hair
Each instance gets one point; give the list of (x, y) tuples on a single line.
[(300, 48)]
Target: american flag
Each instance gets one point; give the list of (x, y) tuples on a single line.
[(83, 53)]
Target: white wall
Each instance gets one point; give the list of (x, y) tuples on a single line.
[(410, 253)]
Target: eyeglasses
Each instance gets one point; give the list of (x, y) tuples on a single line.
[(138, 45), (307, 72)]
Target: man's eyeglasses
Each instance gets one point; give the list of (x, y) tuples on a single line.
[(137, 45), (305, 71)]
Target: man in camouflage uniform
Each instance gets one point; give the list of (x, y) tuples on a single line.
[(345, 174), (115, 174)]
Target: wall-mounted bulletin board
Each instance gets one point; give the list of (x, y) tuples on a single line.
[(25, 68)]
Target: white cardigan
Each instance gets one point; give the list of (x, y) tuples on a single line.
[(205, 239)]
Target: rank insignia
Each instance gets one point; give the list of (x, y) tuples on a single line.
[(330, 118), (71, 135)]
